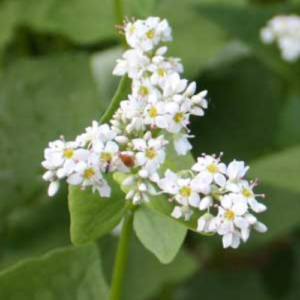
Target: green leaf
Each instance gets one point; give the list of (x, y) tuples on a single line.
[(160, 235), (288, 132), (280, 177), (226, 284), (145, 275), (67, 273), (242, 117), (93, 216), (253, 18), (31, 230), (40, 99), (281, 170)]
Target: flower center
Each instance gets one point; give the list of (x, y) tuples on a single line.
[(68, 153), (150, 34), (131, 30), (229, 214), (88, 173), (153, 112), (247, 193), (212, 168), (161, 72), (106, 156), (151, 153), (178, 117), (143, 91), (185, 191)]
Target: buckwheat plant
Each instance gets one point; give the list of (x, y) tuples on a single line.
[(285, 31), (134, 140)]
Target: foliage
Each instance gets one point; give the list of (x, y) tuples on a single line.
[(56, 59)]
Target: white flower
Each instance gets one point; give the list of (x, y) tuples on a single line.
[(151, 153), (204, 223), (179, 116), (285, 31), (134, 63), (105, 155), (212, 168), (231, 222), (61, 158), (58, 153), (182, 212), (247, 192), (174, 85), (154, 115), (199, 103), (96, 132), (181, 143), (147, 34), (143, 89), (236, 170), (182, 189), (90, 175)]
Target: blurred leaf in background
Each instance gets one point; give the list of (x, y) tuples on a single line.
[(56, 60)]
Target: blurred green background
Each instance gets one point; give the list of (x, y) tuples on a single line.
[(56, 60)]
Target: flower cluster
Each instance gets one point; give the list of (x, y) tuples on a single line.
[(220, 191), (155, 114), (285, 31)]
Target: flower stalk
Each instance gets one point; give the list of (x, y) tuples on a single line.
[(122, 256)]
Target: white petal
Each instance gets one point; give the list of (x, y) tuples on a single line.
[(161, 122), (226, 202), (256, 206), (245, 233), (205, 203), (240, 208), (74, 179), (176, 213), (241, 223), (194, 199), (235, 241), (220, 179), (53, 188), (260, 227), (227, 240)]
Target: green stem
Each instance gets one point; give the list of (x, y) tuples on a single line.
[(121, 94), (119, 12), (121, 256)]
